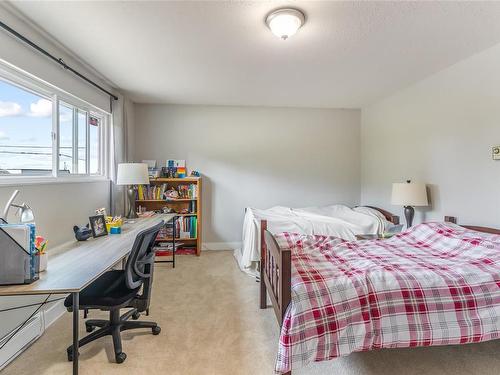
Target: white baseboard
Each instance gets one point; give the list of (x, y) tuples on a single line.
[(220, 245), (52, 312)]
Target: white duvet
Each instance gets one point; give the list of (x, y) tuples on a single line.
[(335, 220)]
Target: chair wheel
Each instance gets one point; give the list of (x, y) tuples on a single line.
[(156, 330), (136, 316), (89, 328), (120, 357)]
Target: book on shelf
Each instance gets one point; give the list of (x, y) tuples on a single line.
[(186, 227), (157, 192), (189, 191), (151, 192), (168, 245)]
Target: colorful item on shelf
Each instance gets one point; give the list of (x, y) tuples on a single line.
[(175, 169), (171, 194)]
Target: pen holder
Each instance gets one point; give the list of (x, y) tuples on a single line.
[(110, 224)]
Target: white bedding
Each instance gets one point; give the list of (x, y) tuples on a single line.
[(335, 220)]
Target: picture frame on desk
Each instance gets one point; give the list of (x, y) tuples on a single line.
[(98, 226)]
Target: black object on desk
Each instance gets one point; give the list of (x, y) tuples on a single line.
[(119, 289)]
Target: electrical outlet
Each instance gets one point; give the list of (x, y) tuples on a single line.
[(496, 152)]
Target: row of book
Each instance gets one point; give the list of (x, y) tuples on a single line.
[(151, 191), (157, 192), (188, 191), (185, 227)]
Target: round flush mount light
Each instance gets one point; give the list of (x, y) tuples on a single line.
[(285, 22)]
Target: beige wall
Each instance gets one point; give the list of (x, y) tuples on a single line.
[(255, 156), (439, 131)]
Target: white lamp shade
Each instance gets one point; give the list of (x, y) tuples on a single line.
[(132, 174), (409, 194)]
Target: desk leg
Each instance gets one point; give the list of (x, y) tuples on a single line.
[(173, 243), (76, 313)]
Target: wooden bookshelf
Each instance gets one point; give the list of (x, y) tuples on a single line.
[(178, 205)]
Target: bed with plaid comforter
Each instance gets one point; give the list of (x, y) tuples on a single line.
[(435, 284)]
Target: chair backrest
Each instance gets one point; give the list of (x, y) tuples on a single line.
[(139, 267)]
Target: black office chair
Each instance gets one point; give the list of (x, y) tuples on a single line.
[(117, 289)]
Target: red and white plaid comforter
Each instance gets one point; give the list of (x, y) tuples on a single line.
[(435, 284)]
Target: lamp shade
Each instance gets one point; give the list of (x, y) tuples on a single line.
[(409, 194), (132, 174)]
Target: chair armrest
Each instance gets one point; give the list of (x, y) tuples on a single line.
[(149, 259)]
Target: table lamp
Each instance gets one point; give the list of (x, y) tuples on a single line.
[(24, 212), (409, 194), (132, 174)]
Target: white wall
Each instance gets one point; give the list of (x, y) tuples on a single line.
[(439, 131), (27, 59), (57, 206), (255, 156)]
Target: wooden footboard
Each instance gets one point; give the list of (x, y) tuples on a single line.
[(275, 273)]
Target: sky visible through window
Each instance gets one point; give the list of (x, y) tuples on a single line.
[(25, 130), (25, 135)]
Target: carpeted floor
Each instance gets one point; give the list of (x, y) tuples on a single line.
[(211, 325)]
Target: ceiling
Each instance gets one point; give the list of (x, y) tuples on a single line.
[(347, 55)]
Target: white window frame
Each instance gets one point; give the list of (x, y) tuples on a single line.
[(38, 87)]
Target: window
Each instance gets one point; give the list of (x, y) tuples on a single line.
[(25, 132), (34, 143)]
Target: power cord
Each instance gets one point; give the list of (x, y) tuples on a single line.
[(46, 301)]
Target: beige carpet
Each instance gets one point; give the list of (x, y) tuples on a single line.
[(211, 325)]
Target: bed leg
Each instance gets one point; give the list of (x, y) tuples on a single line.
[(263, 294), (263, 289)]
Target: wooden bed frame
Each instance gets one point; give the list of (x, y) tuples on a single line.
[(276, 266), (453, 219)]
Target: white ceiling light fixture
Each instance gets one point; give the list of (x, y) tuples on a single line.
[(285, 22)]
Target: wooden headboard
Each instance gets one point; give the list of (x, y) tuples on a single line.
[(453, 219), (388, 216)]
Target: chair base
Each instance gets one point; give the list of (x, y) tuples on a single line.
[(113, 327)]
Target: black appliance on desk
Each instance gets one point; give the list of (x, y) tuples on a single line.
[(17, 246)]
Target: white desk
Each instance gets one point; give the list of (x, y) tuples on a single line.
[(74, 269)]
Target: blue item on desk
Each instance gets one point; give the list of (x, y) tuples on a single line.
[(115, 230), (17, 254), (82, 233)]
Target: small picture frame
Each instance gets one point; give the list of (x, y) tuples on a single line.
[(98, 226)]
